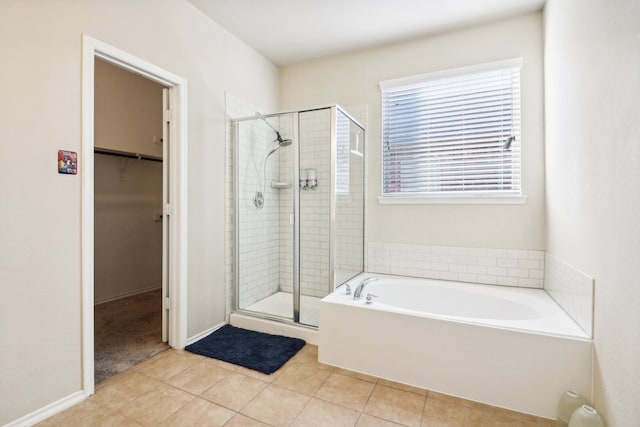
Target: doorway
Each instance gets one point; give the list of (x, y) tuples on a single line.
[(128, 221), (173, 207)]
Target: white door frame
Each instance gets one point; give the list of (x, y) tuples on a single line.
[(176, 212)]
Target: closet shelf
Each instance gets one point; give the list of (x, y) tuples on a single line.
[(126, 154)]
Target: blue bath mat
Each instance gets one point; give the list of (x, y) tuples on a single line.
[(254, 350)]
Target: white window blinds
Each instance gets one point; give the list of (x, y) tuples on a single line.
[(455, 132)]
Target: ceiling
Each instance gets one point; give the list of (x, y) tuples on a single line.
[(290, 31)]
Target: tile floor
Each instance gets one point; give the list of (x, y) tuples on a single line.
[(178, 388)]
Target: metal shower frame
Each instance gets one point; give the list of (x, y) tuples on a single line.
[(296, 206)]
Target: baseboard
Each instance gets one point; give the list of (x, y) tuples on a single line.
[(49, 410), (127, 294), (203, 334)]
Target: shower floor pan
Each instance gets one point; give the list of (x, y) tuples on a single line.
[(281, 304)]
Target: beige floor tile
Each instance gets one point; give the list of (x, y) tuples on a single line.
[(257, 375), (129, 384), (86, 413), (220, 363), (305, 377), (116, 419), (493, 421), (303, 393), (166, 365), (161, 354), (199, 412), (308, 353), (156, 405), (346, 391), (111, 397), (405, 387), (367, 420), (188, 354), (357, 375), (276, 406), (499, 417), (395, 405), (198, 377), (442, 413), (454, 399), (320, 413), (234, 391), (240, 420)]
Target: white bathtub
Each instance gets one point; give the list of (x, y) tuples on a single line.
[(509, 347)]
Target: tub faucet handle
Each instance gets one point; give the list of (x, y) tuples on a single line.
[(348, 289), (370, 298)]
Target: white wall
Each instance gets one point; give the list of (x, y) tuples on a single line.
[(40, 300), (352, 79), (592, 93), (128, 241)]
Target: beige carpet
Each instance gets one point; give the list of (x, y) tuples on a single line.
[(127, 331)]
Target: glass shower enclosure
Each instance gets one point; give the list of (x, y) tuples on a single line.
[(299, 210)]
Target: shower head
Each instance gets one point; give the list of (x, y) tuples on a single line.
[(258, 198), (282, 142)]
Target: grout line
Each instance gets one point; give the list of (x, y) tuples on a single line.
[(364, 408), (424, 407)]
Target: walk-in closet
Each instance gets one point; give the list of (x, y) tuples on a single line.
[(128, 219)]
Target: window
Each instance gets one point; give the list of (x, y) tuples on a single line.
[(453, 133)]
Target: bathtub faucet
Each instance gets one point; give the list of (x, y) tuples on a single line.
[(364, 282)]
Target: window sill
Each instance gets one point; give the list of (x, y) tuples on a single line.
[(452, 200)]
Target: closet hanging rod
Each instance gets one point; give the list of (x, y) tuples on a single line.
[(126, 154)]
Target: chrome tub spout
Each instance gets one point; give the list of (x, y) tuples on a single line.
[(364, 282)]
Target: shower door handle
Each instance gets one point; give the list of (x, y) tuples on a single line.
[(292, 219)]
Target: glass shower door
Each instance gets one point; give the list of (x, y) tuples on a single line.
[(331, 205), (349, 200), (315, 211), (264, 160)]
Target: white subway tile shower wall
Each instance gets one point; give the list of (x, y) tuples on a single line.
[(508, 267), (572, 290), (258, 239)]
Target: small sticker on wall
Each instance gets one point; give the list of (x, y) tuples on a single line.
[(67, 162)]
